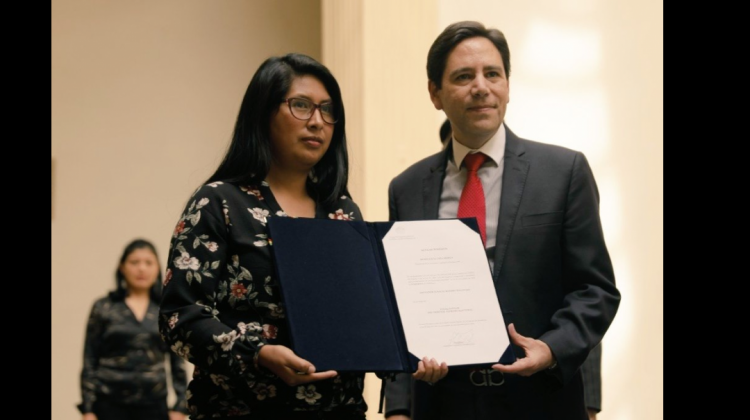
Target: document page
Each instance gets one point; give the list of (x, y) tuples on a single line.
[(444, 292)]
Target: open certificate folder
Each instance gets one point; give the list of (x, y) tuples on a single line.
[(379, 296)]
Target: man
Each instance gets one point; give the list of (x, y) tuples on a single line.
[(539, 219), (591, 370)]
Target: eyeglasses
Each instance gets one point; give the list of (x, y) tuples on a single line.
[(303, 109)]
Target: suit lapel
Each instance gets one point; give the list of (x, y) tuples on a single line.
[(516, 168), (514, 179), (432, 185)]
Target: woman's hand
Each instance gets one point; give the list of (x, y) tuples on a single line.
[(89, 416), (176, 415), (292, 369), (430, 371)]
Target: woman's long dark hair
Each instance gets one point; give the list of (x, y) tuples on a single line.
[(248, 158), (121, 285)]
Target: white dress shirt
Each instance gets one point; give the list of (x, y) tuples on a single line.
[(491, 176)]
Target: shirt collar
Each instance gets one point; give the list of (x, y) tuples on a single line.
[(494, 148)]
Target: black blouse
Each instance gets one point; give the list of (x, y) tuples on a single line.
[(222, 303), (124, 359)]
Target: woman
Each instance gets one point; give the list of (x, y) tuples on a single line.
[(222, 307), (123, 375)]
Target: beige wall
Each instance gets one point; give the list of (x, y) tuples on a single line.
[(144, 95), (144, 98)]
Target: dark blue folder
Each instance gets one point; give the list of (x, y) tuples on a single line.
[(338, 297)]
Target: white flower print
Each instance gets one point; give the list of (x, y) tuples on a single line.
[(259, 214), (308, 394), (262, 241), (173, 320), (226, 217), (340, 215), (226, 340), (186, 262), (263, 391), (198, 240), (251, 190), (276, 311), (254, 327), (215, 184)]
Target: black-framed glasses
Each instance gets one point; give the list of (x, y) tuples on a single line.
[(303, 109)]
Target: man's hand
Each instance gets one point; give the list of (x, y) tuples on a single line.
[(89, 416), (430, 371), (292, 369), (592, 414), (538, 355)]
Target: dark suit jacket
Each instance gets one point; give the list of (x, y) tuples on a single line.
[(591, 371), (552, 271)]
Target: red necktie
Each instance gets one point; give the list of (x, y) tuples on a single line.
[(472, 203)]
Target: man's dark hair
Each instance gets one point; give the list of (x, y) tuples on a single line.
[(445, 131), (453, 35)]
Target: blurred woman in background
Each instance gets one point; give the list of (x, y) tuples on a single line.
[(124, 375)]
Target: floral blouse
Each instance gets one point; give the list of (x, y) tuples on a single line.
[(222, 303), (124, 359)]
